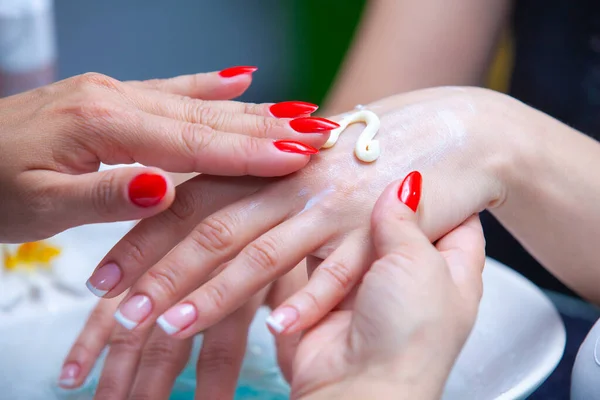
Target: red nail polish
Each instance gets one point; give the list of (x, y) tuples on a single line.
[(147, 190), (235, 71), (290, 146), (292, 109), (312, 125), (410, 190)]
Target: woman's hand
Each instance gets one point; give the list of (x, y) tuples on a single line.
[(53, 139), (141, 365), (261, 228), (412, 314)]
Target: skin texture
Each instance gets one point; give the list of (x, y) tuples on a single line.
[(53, 139)]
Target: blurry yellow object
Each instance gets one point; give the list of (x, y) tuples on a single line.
[(29, 256), (502, 66)]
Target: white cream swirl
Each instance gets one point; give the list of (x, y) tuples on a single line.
[(366, 148)]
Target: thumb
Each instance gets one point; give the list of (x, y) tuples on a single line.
[(119, 194), (394, 225)]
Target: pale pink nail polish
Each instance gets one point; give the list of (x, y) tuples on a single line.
[(282, 318), (177, 318), (134, 311), (69, 374), (104, 279)]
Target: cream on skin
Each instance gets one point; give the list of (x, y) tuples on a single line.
[(367, 149)]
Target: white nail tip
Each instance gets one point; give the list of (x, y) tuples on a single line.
[(96, 292), (67, 382), (166, 326), (275, 323), (125, 322)]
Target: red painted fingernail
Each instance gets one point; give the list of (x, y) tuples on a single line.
[(235, 71), (147, 190), (312, 125), (410, 190), (290, 146), (292, 109)]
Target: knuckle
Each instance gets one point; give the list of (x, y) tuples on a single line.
[(132, 253), (262, 254), (197, 138), (253, 108), (339, 274), (214, 234), (94, 79), (160, 353), (312, 301), (127, 342), (217, 356), (206, 115), (164, 281), (103, 196), (215, 294), (185, 205)]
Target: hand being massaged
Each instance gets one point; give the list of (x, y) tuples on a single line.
[(397, 338)]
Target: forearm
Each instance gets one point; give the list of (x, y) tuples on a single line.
[(552, 203), (406, 45)]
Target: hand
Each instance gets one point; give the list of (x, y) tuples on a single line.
[(412, 314), (141, 365), (53, 139), (261, 227)]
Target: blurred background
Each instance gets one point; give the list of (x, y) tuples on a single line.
[(298, 46)]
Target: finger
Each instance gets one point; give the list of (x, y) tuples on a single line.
[(89, 344), (120, 194), (220, 85), (149, 241), (248, 119), (222, 354), (121, 364), (464, 251), (216, 240), (330, 283), (177, 146), (281, 289), (162, 361), (394, 225), (261, 262)]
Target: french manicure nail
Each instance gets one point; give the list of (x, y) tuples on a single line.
[(282, 318), (133, 311), (313, 125), (69, 374), (236, 71), (104, 279), (147, 190), (292, 109), (410, 190), (177, 318), (291, 146)]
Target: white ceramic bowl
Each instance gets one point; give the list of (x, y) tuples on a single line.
[(517, 342)]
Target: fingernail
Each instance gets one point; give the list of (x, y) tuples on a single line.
[(104, 279), (410, 190), (147, 190), (133, 311), (282, 318), (312, 125), (235, 71), (292, 109), (69, 374), (290, 146), (177, 318)]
